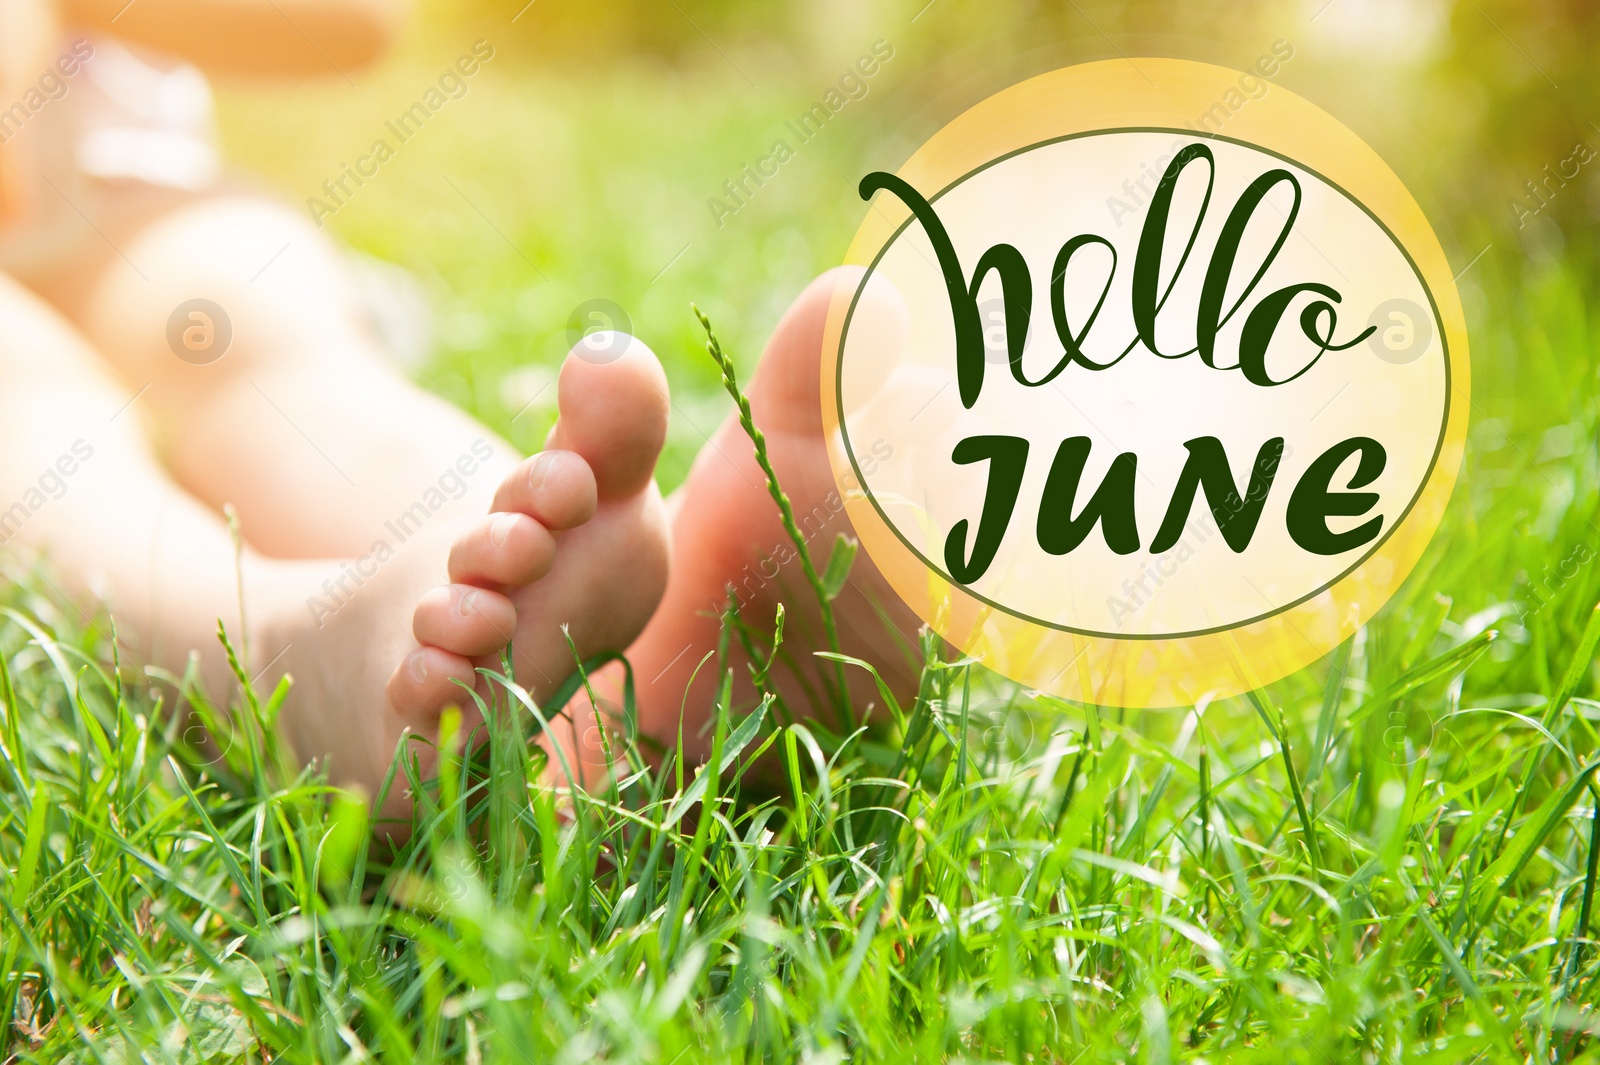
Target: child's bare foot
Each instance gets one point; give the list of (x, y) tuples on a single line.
[(577, 537), (727, 532)]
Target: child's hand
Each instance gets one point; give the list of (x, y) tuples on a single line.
[(27, 29), (261, 37)]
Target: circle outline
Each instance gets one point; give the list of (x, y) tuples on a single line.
[(1438, 449)]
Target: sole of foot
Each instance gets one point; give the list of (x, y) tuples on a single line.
[(575, 544), (730, 540)]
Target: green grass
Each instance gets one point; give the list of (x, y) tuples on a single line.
[(1387, 857)]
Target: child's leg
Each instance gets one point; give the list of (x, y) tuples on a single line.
[(79, 484), (727, 534), (302, 425), (572, 539)]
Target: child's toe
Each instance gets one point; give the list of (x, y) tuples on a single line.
[(555, 487), (614, 414), (506, 550), (425, 683), (464, 620)]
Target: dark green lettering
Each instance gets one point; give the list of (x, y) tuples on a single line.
[(1207, 469), (1312, 503), (1111, 505), (1007, 457)]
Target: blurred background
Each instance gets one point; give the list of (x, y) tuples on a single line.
[(579, 175)]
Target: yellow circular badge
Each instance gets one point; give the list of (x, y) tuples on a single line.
[(1140, 409)]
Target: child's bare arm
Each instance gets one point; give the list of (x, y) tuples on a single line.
[(251, 37)]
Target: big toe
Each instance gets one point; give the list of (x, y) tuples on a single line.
[(613, 412), (785, 394)]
